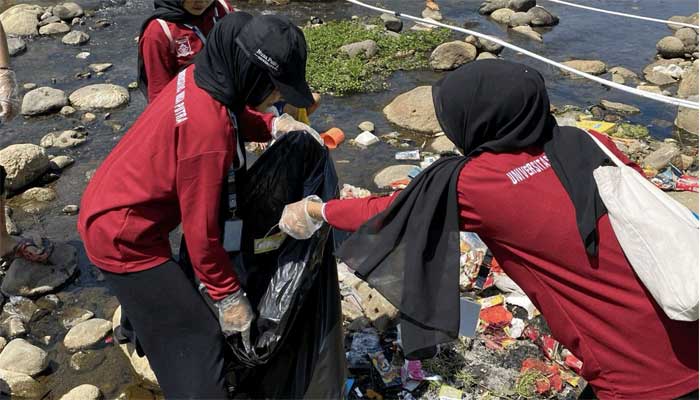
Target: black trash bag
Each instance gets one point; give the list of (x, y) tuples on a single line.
[(297, 339)]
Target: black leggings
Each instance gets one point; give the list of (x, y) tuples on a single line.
[(176, 329)]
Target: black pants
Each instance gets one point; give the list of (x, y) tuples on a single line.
[(176, 329)]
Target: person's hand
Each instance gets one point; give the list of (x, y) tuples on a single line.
[(285, 123), (296, 220), (9, 101), (235, 313)]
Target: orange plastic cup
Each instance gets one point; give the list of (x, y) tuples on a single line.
[(333, 137)]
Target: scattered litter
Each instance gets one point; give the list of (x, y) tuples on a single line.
[(427, 161), (400, 184), (408, 155), (366, 139), (521, 300), (600, 126), (517, 326), (333, 137), (363, 343), (449, 393), (496, 316), (492, 301), (687, 183), (353, 192), (672, 70), (414, 172)]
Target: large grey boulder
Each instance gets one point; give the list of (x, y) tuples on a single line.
[(23, 357), (593, 67), (99, 97), (54, 28), (502, 15), (23, 163), (451, 55), (539, 16), (21, 20), (20, 385), (43, 100), (365, 48), (520, 19), (26, 278), (521, 5), (528, 32), (670, 47), (16, 46), (76, 38), (490, 6), (653, 72), (414, 111), (385, 177), (689, 37), (689, 83), (87, 334), (68, 11), (491, 47)]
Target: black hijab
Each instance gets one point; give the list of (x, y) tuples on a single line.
[(224, 70), (410, 252), (168, 10)]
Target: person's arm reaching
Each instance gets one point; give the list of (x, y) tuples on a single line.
[(9, 101), (255, 126)]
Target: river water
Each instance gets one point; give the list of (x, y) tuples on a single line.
[(580, 34)]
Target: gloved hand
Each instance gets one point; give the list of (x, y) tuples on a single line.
[(235, 313), (296, 221), (9, 101), (285, 123)]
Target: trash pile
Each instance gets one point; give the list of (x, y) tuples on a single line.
[(504, 350)]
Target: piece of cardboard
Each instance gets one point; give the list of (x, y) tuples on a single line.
[(468, 317)]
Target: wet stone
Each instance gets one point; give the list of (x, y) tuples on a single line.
[(72, 316), (87, 334), (87, 360)]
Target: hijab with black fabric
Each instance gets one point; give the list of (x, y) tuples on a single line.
[(167, 10), (224, 70), (410, 252)]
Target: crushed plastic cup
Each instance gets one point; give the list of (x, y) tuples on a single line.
[(333, 137), (366, 139), (413, 155)]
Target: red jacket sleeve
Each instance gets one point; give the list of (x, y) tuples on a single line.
[(350, 214), (158, 59), (199, 181), (255, 126)]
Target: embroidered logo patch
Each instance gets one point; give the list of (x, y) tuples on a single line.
[(183, 47)]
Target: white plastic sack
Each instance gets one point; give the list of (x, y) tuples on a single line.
[(658, 235)]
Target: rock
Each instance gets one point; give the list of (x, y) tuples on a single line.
[(140, 364), (10, 225), (661, 157), (385, 177), (442, 144), (20, 307), (619, 107), (135, 391), (423, 27), (688, 199), (521, 5), (15, 327), (43, 100), (101, 67), (687, 119), (26, 278), (670, 47), (70, 209), (366, 126), (88, 117), (87, 334), (650, 89), (39, 194), (76, 38), (67, 11), (16, 46), (413, 110), (72, 316), (486, 56), (20, 385), (98, 97), (3, 343), (502, 16), (83, 392), (23, 163), (689, 38), (489, 6), (49, 302), (366, 48), (82, 55), (54, 29), (529, 32), (49, 20), (432, 14), (490, 46), (23, 357), (392, 23), (64, 140), (622, 75), (87, 360), (689, 83), (29, 86), (592, 67), (520, 19), (67, 110), (656, 72), (451, 55), (539, 16), (677, 18), (21, 20)]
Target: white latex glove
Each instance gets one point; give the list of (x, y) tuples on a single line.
[(286, 123), (9, 101), (296, 221), (235, 313)]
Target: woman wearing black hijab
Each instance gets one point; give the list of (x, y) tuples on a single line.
[(525, 186), (170, 168), (171, 37)]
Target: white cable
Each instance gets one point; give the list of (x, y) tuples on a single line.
[(663, 21), (638, 92)]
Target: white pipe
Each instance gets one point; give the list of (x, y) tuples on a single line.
[(663, 21), (638, 92)]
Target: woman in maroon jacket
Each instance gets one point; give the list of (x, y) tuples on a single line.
[(171, 37), (526, 187), (170, 169)]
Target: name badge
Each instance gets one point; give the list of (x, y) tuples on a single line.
[(233, 230)]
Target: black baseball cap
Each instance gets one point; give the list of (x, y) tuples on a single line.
[(276, 45)]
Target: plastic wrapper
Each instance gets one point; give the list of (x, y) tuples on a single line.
[(473, 252), (296, 341), (363, 343)]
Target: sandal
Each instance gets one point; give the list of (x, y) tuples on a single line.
[(28, 249)]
